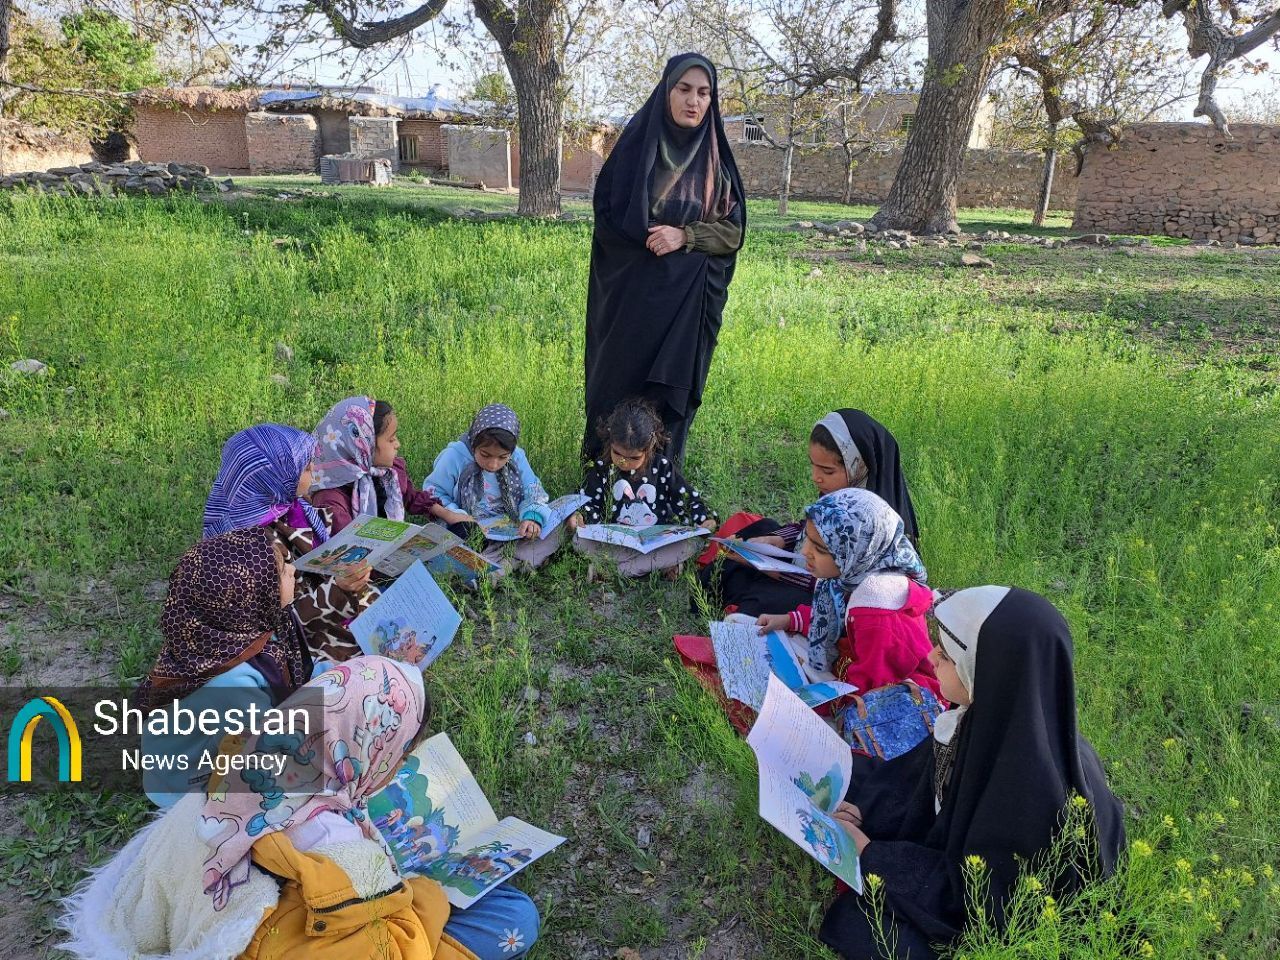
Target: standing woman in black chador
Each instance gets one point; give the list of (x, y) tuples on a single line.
[(670, 219)]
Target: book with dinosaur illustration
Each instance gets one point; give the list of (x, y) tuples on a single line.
[(560, 510), (640, 539), (804, 774), (439, 824)]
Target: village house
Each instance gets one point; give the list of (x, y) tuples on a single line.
[(282, 131)]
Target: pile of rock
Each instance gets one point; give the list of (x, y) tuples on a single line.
[(861, 234), (105, 179)]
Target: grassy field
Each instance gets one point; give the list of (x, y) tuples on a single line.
[(1097, 425)]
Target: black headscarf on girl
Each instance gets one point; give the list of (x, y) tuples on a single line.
[(471, 479), (1017, 758), (878, 449), (652, 322)]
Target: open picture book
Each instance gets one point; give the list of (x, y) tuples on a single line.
[(439, 824), (640, 539), (804, 773), (747, 661), (763, 557), (413, 621), (561, 509), (392, 546)]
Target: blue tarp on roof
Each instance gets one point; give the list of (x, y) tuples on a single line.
[(428, 104)]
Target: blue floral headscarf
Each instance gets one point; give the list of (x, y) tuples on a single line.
[(864, 535)]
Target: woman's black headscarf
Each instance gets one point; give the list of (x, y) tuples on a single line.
[(878, 449), (652, 322), (1018, 758)]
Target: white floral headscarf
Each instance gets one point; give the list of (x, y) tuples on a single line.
[(344, 455)]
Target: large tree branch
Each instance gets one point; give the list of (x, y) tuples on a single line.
[(886, 31), (363, 36), (500, 20), (1205, 36)]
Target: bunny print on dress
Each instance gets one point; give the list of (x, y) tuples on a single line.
[(641, 498)]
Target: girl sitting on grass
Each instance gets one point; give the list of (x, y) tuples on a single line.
[(357, 467), (866, 623), (485, 475), (639, 487), (992, 782), (847, 448), (263, 481), (251, 870), (232, 639)]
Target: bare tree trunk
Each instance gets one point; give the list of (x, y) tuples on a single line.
[(540, 108), (1046, 181), (849, 164), (527, 38), (6, 13), (963, 38), (784, 188)]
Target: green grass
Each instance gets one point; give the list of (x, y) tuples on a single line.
[(1094, 425)]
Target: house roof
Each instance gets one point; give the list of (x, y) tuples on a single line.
[(358, 102)]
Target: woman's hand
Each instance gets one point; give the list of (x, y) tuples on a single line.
[(355, 578), (708, 524), (770, 541), (530, 529), (574, 522), (769, 622), (664, 240)]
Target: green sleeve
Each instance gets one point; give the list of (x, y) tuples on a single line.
[(721, 237)]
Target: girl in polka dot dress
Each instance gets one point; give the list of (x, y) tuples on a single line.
[(638, 487)]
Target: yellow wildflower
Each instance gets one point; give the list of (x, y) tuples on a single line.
[(1146, 949), (1141, 848)]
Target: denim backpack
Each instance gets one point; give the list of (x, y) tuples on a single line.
[(888, 721)]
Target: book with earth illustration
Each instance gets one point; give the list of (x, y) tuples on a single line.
[(391, 547), (413, 621), (439, 824), (763, 557), (804, 774), (640, 539), (560, 510), (746, 661)]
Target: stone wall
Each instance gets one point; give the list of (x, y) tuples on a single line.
[(376, 137), (1185, 180), (24, 148), (991, 178), (282, 142), (214, 138), (479, 154)]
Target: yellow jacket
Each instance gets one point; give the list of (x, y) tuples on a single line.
[(349, 904)]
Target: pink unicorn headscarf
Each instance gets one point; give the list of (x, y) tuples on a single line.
[(373, 710)]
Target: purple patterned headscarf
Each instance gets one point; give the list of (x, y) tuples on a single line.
[(344, 455), (257, 482)]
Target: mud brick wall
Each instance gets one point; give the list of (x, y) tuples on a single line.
[(215, 138), (479, 154), (991, 178), (282, 142), (1185, 180)]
